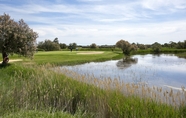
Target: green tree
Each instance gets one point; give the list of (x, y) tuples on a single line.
[(126, 47), (142, 46), (72, 46), (48, 45), (93, 45), (56, 40), (172, 44), (156, 47), (16, 37), (63, 45)]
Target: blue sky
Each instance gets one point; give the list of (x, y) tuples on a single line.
[(102, 21)]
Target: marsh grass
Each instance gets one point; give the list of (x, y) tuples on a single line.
[(38, 88), (181, 55)]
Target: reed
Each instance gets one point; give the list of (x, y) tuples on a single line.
[(46, 88)]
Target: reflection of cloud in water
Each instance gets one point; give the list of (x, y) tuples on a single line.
[(123, 64)]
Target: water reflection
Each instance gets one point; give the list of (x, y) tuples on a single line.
[(125, 63), (154, 70)]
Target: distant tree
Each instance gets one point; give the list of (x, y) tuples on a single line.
[(142, 46), (93, 45), (56, 41), (156, 47), (126, 47), (184, 44), (166, 45), (48, 45), (72, 46), (172, 44), (16, 37), (180, 45), (63, 45)]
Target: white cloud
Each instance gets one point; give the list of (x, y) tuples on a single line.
[(104, 22), (164, 4)]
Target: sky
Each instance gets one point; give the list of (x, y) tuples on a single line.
[(103, 22)]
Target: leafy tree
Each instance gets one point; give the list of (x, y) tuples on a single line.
[(180, 45), (126, 47), (142, 46), (72, 46), (156, 47), (63, 45), (172, 44), (93, 45), (48, 45), (16, 37), (184, 44), (166, 45), (56, 41)]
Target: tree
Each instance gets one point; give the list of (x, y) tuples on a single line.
[(126, 47), (156, 47), (93, 45), (72, 46), (63, 45), (48, 45), (142, 46), (172, 44), (56, 40), (16, 37)]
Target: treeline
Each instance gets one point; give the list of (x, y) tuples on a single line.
[(49, 45), (54, 45)]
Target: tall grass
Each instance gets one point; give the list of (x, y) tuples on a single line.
[(37, 88)]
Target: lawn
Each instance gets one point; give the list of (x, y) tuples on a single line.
[(67, 57)]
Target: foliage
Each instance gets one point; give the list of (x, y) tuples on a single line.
[(56, 40), (142, 46), (156, 47), (178, 45), (93, 45), (48, 45), (16, 37), (63, 45), (72, 46), (126, 47)]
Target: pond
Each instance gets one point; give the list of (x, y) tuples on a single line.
[(153, 70)]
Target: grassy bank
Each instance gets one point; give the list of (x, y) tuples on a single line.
[(181, 55), (163, 50), (36, 90)]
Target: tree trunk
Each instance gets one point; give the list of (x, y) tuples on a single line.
[(5, 57)]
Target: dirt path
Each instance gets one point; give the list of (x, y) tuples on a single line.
[(14, 60)]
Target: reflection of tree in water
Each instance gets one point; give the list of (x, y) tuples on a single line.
[(125, 63)]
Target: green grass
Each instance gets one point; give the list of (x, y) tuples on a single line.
[(31, 90), (37, 114), (71, 58), (181, 55), (34, 90)]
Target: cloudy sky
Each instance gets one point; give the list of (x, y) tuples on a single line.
[(102, 21)]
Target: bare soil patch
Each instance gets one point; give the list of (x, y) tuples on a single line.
[(91, 52)]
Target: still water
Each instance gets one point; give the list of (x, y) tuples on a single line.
[(153, 70)]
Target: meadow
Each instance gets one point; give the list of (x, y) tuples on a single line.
[(29, 88)]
